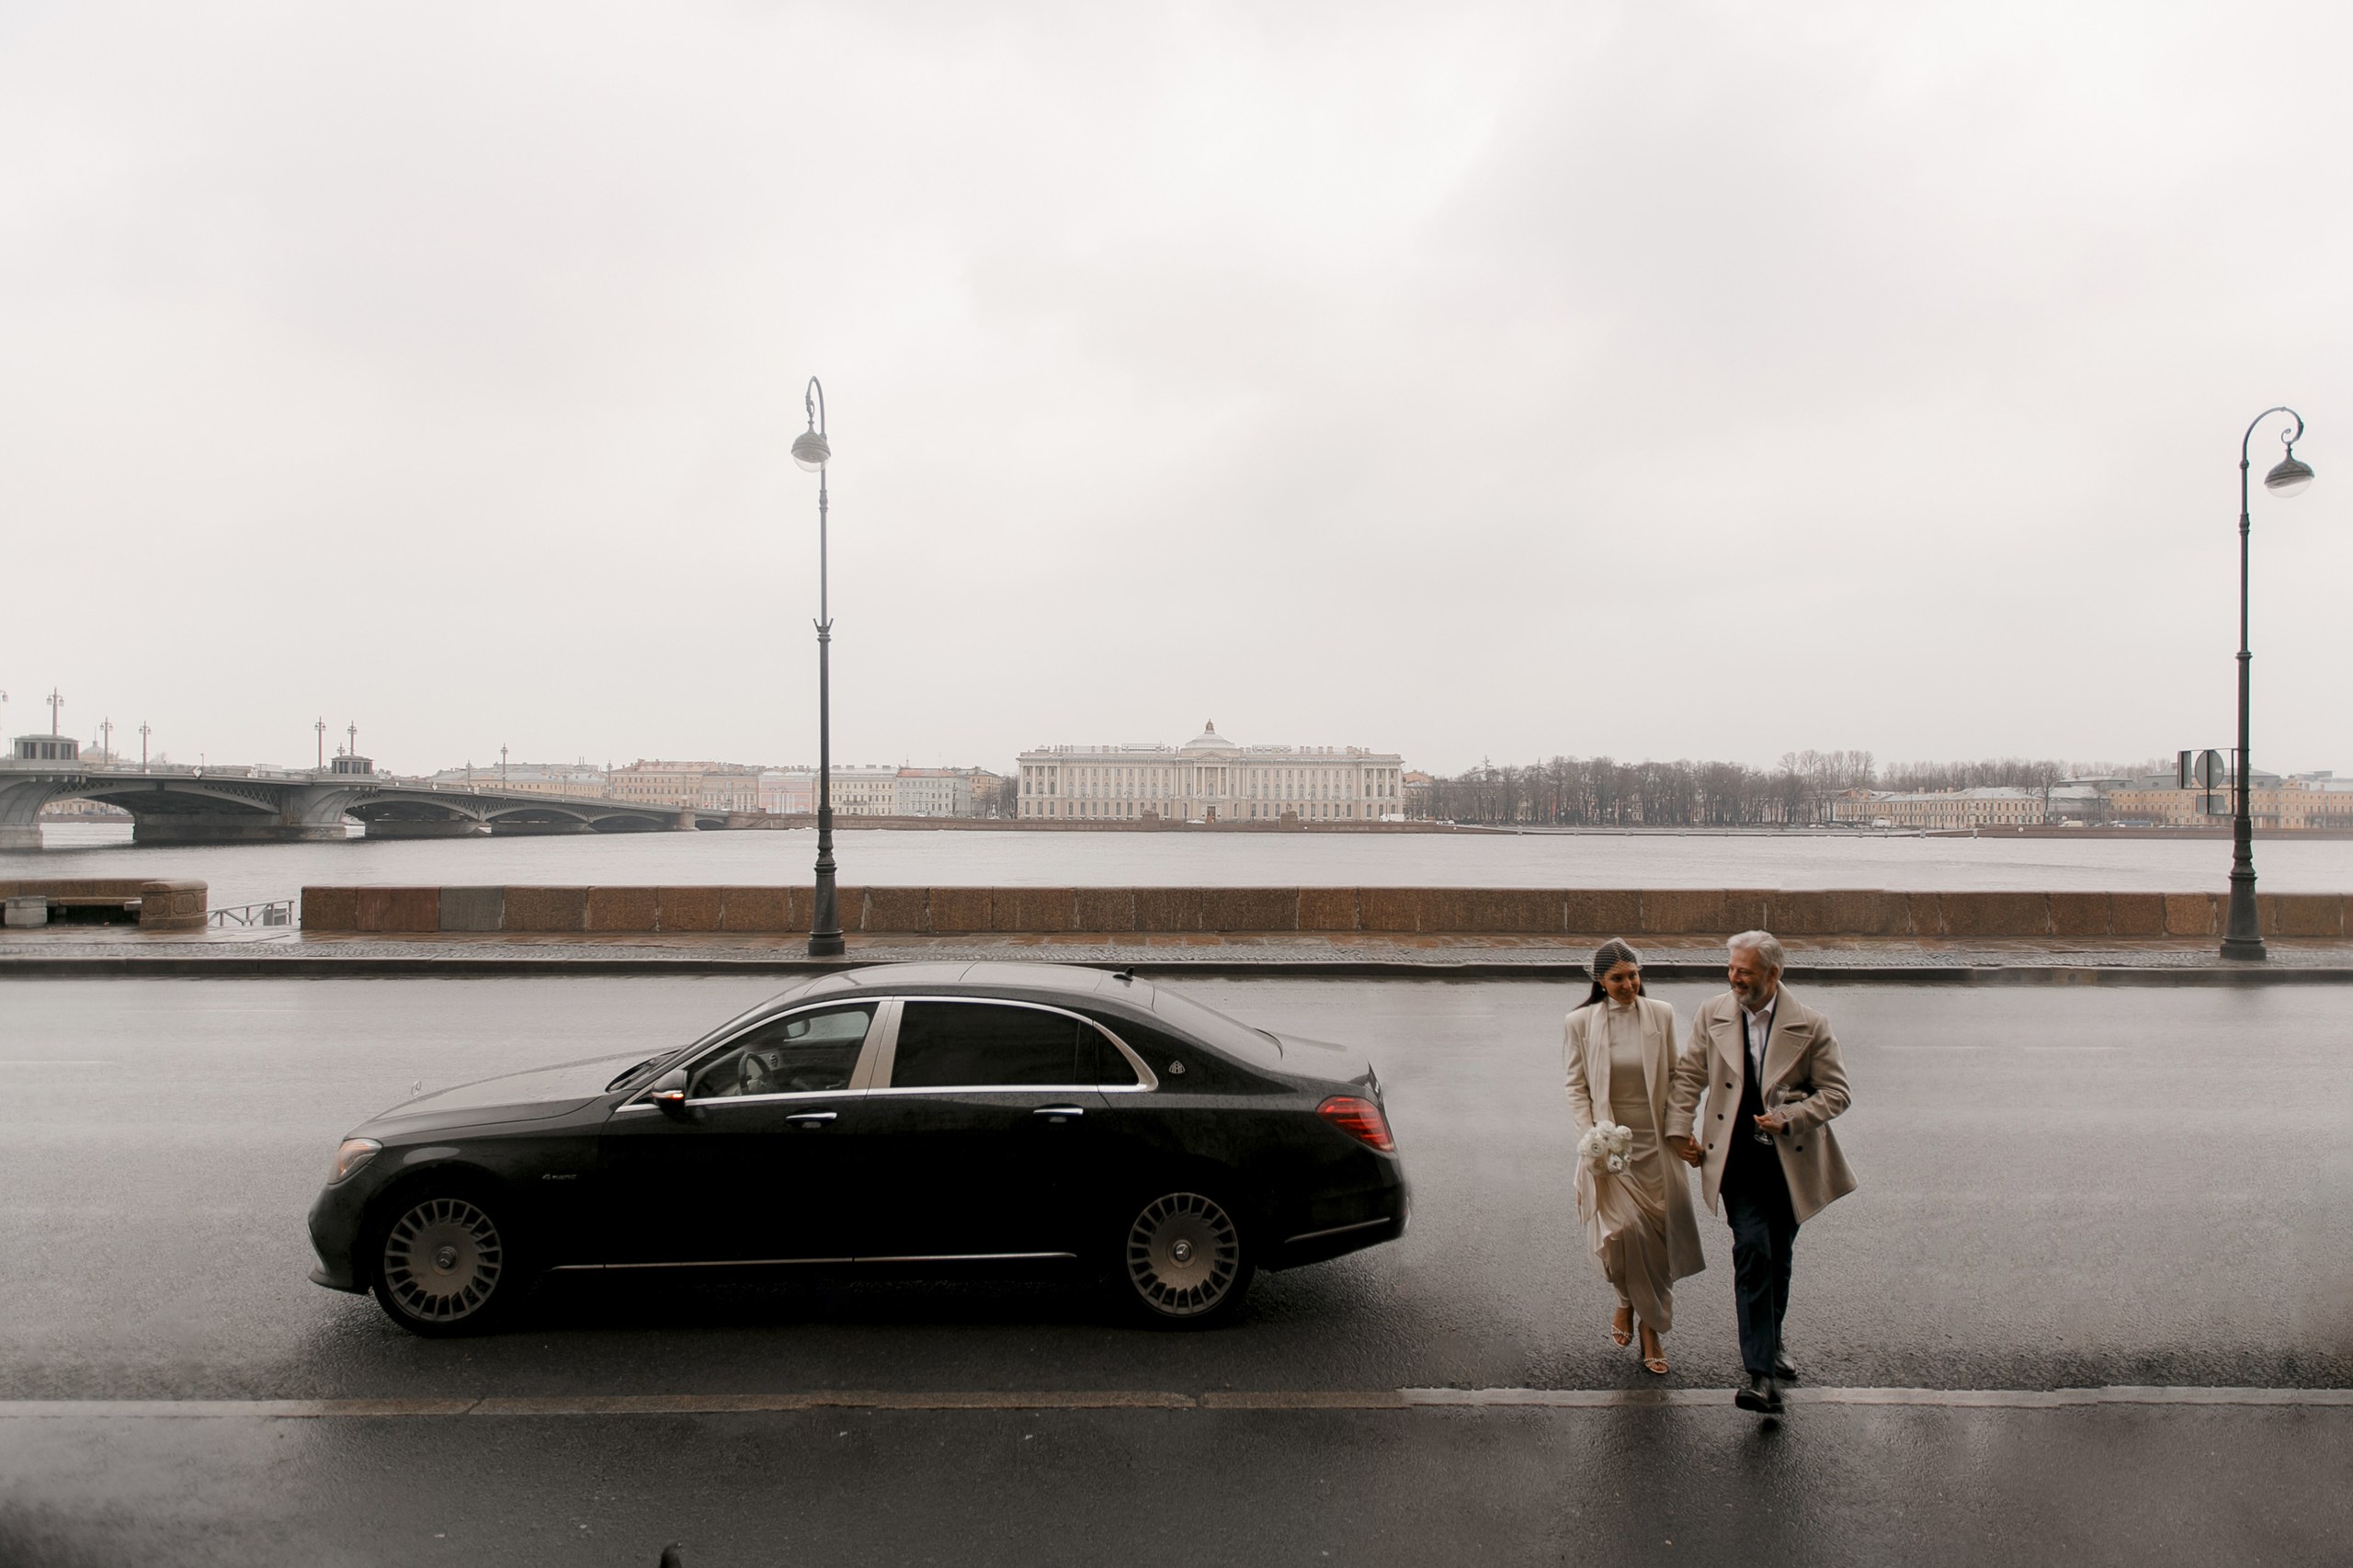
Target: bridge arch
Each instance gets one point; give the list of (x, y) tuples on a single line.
[(404, 816), (193, 809), (632, 821)]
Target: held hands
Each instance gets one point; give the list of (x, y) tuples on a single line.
[(1688, 1150)]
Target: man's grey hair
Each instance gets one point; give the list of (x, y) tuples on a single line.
[(1765, 944)]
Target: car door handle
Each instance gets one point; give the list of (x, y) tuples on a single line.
[(1059, 1112), (811, 1118)]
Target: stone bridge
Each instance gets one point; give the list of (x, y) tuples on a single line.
[(237, 805)]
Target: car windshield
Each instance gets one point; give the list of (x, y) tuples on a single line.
[(790, 994), (626, 1074), (1213, 1027)]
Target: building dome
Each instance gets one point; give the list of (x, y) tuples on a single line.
[(1210, 740)]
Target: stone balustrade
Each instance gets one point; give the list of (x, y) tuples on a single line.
[(166, 906)]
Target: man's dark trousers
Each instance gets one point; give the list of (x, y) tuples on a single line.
[(1764, 1235)]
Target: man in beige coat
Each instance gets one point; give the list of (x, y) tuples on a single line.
[(1770, 1067)]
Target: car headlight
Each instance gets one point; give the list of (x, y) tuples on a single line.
[(354, 1153)]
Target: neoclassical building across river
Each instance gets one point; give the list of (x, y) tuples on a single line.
[(1211, 779)]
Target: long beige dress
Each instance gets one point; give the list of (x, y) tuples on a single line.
[(1627, 1227), (1618, 1065)]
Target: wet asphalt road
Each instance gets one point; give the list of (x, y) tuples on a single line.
[(2062, 1187)]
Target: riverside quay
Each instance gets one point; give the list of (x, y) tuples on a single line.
[(1670, 912)]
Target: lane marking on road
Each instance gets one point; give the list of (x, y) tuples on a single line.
[(1308, 1399), (1977, 1399), (514, 1405)]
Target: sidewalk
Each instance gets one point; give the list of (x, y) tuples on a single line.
[(92, 952)]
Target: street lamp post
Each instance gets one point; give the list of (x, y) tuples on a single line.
[(2243, 938), (812, 451)]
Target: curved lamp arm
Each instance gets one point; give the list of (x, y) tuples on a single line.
[(2289, 439), (811, 448)]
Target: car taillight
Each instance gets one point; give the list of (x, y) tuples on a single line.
[(1360, 1119)]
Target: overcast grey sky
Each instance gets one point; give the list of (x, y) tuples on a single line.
[(1652, 378)]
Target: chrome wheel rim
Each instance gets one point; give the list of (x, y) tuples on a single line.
[(442, 1260), (1184, 1254)]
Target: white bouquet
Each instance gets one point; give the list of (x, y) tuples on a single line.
[(1606, 1149)]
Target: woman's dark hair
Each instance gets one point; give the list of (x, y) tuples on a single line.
[(1601, 992), (1607, 958)]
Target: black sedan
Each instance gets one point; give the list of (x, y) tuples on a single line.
[(920, 1115)]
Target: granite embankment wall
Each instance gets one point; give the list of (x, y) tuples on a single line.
[(1581, 911), (166, 906)]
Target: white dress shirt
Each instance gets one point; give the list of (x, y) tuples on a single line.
[(1757, 1029)]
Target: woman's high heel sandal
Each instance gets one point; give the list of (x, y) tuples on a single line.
[(1621, 1327), (1653, 1354)]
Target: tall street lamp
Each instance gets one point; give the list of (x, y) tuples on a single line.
[(2243, 939), (811, 450)]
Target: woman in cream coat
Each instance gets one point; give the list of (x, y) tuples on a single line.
[(1620, 1051)]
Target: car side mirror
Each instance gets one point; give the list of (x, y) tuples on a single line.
[(668, 1096)]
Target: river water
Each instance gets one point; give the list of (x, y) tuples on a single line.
[(247, 873)]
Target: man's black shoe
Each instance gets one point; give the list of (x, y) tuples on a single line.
[(1782, 1372), (1760, 1396)]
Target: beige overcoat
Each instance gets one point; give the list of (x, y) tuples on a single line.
[(1801, 1055), (1585, 1050)]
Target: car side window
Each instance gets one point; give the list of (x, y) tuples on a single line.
[(806, 1053), (1181, 1066), (981, 1044), (1112, 1069)]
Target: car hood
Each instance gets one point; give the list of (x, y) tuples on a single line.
[(532, 1094)]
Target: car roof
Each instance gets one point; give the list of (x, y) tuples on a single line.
[(1075, 983)]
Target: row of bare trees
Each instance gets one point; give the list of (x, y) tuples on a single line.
[(1801, 787)]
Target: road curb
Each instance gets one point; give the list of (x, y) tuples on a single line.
[(244, 966)]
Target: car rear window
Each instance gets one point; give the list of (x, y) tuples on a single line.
[(1212, 1028), (1112, 1070), (945, 1045)]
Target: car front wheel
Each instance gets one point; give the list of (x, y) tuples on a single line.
[(444, 1266), (1184, 1262)]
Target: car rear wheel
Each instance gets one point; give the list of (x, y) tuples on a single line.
[(1183, 1262), (444, 1266)]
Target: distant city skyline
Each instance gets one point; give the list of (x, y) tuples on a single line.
[(1004, 760)]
